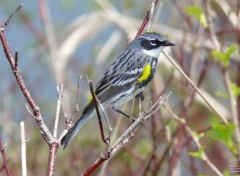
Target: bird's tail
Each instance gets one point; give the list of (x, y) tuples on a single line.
[(86, 115)]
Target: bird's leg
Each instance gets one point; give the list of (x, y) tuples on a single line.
[(140, 96), (123, 113)]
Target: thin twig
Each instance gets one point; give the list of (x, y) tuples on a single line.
[(14, 66), (113, 138), (35, 109), (150, 160), (232, 99), (94, 166), (76, 110), (23, 150), (145, 21), (97, 110), (195, 87), (233, 106), (5, 163), (106, 119), (69, 121), (59, 101), (153, 4), (204, 157), (139, 107), (210, 27), (165, 154), (139, 121), (78, 89), (126, 137), (10, 17), (43, 128), (51, 38), (157, 14)]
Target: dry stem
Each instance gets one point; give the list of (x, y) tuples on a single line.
[(195, 139), (23, 150)]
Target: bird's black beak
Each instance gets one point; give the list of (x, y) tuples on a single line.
[(167, 43)]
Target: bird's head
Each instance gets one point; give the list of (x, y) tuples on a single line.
[(150, 43)]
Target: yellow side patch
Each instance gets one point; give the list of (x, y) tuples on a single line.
[(145, 74), (90, 99)]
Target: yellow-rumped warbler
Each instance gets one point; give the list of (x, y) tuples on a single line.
[(130, 72)]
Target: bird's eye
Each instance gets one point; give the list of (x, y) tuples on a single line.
[(154, 42)]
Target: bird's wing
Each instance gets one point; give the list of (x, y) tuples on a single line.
[(120, 75)]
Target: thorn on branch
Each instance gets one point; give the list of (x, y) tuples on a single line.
[(16, 59)]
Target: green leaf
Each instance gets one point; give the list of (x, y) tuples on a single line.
[(222, 94), (235, 89), (223, 133), (198, 136), (226, 173), (198, 13), (224, 57), (221, 57), (198, 153), (231, 50)]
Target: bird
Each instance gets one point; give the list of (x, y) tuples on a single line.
[(125, 77)]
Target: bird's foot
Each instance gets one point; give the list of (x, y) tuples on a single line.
[(140, 96)]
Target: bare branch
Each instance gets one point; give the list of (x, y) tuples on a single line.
[(233, 106), (195, 139), (145, 21), (69, 121), (16, 72), (53, 147), (126, 137), (97, 110), (195, 87), (153, 4), (4, 158)]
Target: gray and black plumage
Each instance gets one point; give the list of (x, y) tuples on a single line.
[(136, 64)]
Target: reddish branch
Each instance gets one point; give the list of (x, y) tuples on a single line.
[(146, 20), (98, 113), (53, 147), (95, 165), (16, 72), (176, 150), (144, 23), (4, 158)]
